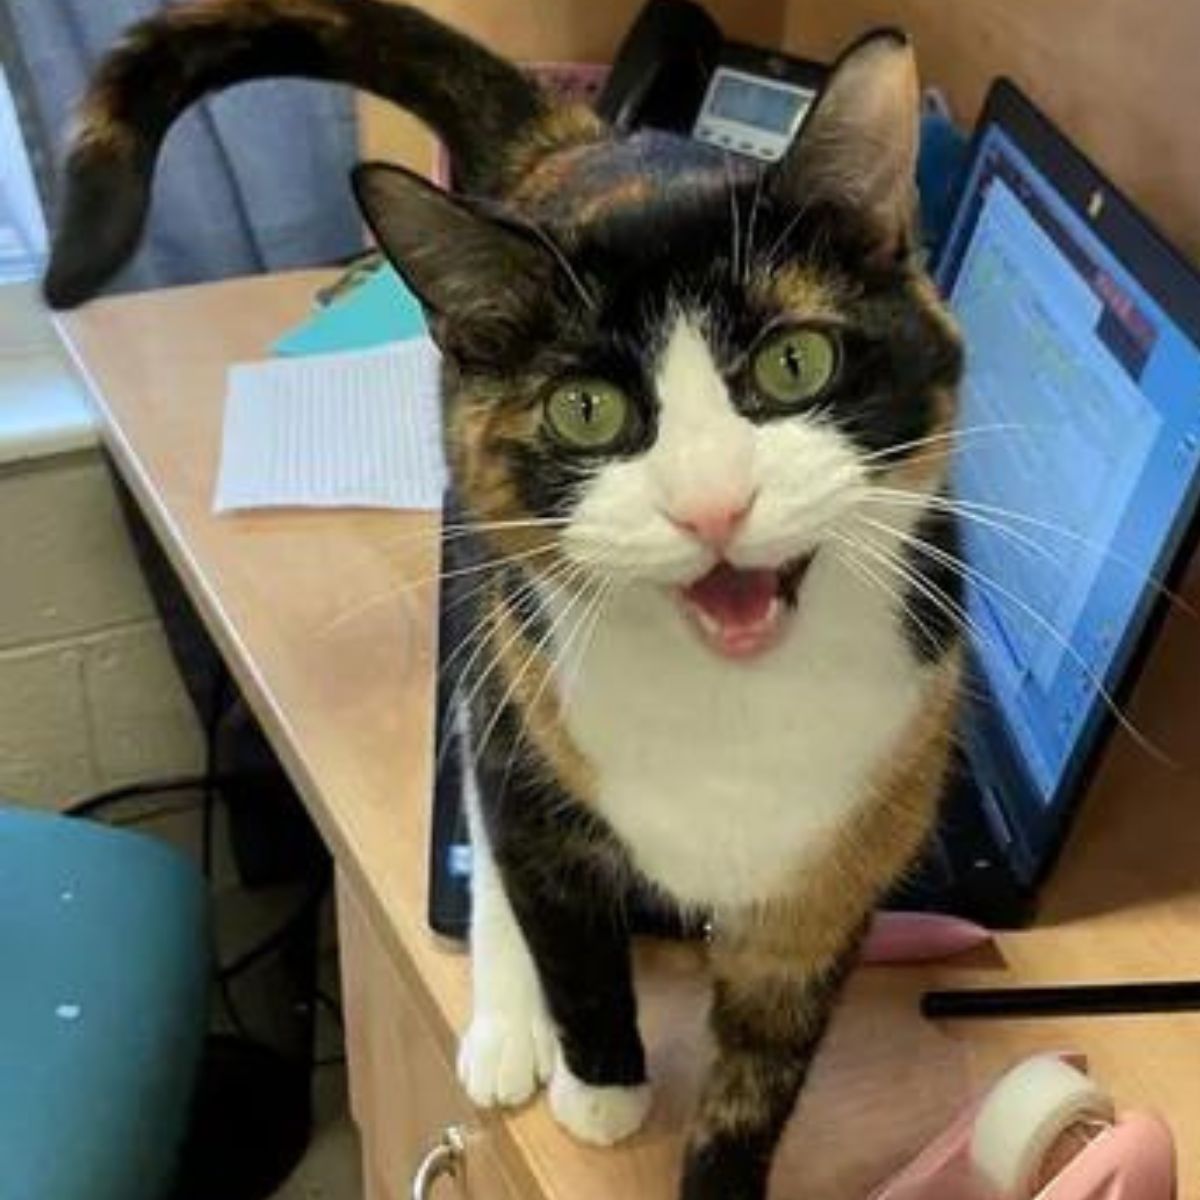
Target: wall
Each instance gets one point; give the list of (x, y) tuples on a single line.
[(1119, 75), (89, 696), (546, 30)]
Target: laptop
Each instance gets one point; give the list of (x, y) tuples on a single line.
[(1078, 464)]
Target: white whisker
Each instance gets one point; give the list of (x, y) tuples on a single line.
[(557, 571), (802, 210), (982, 514), (561, 584), (552, 626), (936, 595), (952, 436), (752, 223), (858, 567), (736, 215), (564, 263), (595, 606), (467, 528), (954, 563), (404, 589)]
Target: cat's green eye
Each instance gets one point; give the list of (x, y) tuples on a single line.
[(795, 366), (588, 414)]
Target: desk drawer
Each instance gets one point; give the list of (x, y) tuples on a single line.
[(403, 1091)]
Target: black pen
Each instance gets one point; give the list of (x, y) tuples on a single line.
[(1067, 1000)]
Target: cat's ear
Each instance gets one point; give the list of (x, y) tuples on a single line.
[(480, 279), (858, 146)]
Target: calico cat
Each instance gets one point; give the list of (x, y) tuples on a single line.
[(697, 418)]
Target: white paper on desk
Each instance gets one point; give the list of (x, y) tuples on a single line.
[(360, 429)]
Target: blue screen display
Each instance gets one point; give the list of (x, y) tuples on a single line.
[(1079, 447)]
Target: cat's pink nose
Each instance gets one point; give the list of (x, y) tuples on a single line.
[(715, 525)]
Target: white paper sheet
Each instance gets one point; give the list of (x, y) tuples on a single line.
[(361, 429)]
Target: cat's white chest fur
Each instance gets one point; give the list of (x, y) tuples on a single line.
[(720, 776)]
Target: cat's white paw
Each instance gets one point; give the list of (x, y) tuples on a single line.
[(505, 1057), (599, 1115)]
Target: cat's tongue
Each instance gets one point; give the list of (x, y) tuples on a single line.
[(738, 612)]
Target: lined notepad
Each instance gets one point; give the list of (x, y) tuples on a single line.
[(359, 429)]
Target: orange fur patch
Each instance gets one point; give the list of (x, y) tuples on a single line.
[(765, 959), (565, 127), (802, 292), (96, 125), (527, 673), (477, 421)]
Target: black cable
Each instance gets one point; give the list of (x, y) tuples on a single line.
[(294, 922), (208, 783), (334, 1009), (88, 805), (208, 814), (279, 937), (164, 809), (212, 725), (331, 1006), (231, 1010)]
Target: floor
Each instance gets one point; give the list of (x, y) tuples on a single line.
[(331, 1168)]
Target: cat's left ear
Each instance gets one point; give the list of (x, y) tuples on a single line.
[(479, 279), (858, 146)]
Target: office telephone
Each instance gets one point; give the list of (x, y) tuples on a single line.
[(676, 71)]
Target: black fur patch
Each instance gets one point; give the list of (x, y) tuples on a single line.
[(170, 60), (564, 873)]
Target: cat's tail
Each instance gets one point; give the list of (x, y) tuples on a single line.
[(477, 103)]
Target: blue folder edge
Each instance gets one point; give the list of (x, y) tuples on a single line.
[(376, 312)]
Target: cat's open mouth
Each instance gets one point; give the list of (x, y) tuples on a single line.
[(741, 613)]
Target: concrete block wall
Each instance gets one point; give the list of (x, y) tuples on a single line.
[(89, 696)]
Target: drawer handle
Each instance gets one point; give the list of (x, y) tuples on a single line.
[(443, 1160)]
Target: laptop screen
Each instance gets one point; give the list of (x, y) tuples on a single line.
[(1077, 463)]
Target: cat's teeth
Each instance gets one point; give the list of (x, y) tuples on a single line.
[(741, 641)]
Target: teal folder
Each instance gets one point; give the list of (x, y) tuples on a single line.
[(372, 313)]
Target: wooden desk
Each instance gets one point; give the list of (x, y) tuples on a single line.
[(329, 632)]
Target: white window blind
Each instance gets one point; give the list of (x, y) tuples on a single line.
[(22, 227)]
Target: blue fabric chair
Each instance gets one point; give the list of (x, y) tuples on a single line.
[(104, 965)]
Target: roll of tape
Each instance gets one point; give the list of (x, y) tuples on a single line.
[(1023, 1116)]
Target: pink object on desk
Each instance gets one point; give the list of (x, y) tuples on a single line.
[(1003, 1146), (900, 937)]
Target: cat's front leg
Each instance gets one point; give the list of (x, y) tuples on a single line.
[(552, 978), (774, 991), (579, 942), (509, 1049)]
